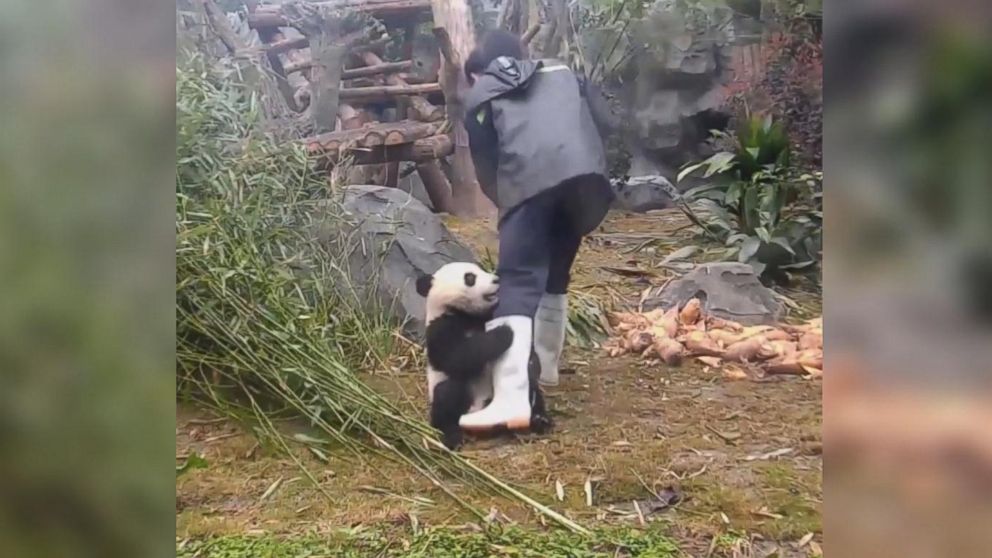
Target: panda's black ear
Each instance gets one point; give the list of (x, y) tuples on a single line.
[(424, 283)]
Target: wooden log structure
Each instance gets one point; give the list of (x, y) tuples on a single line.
[(422, 108), (271, 16)]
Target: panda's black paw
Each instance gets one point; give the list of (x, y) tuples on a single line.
[(453, 438), (502, 338), (541, 424)]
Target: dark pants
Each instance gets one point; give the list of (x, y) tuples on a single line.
[(538, 241)]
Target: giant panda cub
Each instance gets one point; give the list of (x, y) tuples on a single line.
[(460, 299)]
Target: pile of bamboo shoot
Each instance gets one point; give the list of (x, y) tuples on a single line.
[(681, 333)]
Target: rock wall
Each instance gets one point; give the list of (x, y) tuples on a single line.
[(666, 76)]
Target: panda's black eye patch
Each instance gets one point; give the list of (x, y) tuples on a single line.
[(469, 279)]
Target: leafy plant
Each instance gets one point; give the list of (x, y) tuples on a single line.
[(586, 320), (754, 203), (763, 145)]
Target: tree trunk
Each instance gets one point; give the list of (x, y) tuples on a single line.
[(331, 34), (325, 91), (456, 38)]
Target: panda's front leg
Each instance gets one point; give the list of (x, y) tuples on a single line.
[(482, 390), (451, 400)]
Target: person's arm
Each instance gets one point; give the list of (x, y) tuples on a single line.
[(484, 146)]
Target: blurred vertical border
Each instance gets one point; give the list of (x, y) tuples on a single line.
[(87, 271), (908, 286)]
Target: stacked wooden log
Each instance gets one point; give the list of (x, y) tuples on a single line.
[(741, 351), (384, 142)]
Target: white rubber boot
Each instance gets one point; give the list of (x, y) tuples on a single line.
[(510, 406), (549, 335)]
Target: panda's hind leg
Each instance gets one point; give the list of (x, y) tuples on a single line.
[(451, 400)]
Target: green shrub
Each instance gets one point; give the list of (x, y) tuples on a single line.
[(756, 203)]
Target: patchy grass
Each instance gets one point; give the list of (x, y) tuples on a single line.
[(430, 543)]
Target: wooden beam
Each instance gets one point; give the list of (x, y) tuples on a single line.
[(287, 44), (378, 69), (419, 150), (351, 119), (382, 92), (353, 73), (302, 42), (272, 16), (371, 135), (436, 184)]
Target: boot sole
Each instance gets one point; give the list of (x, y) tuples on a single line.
[(515, 425)]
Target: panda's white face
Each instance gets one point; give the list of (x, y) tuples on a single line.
[(459, 286)]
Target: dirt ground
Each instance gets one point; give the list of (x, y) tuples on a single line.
[(742, 458)]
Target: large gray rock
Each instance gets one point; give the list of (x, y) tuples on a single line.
[(413, 185), (400, 239), (727, 290), (643, 193)]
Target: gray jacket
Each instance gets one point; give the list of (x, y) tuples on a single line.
[(530, 130)]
